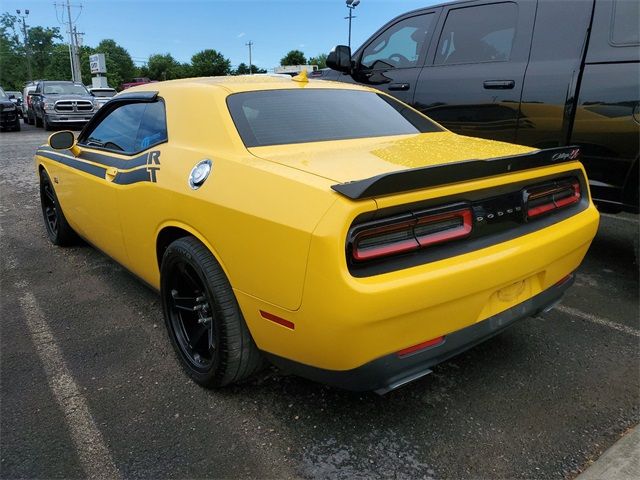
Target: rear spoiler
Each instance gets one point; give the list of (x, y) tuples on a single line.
[(413, 179)]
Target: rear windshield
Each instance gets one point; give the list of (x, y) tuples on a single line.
[(277, 117), (51, 88), (103, 93)]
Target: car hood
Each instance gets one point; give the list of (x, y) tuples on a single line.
[(357, 159)]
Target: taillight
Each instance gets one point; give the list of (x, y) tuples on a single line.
[(541, 200), (409, 232)]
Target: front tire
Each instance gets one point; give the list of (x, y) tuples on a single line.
[(38, 121), (203, 319), (58, 230), (46, 125)]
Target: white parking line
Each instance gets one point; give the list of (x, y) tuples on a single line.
[(601, 321), (92, 451)]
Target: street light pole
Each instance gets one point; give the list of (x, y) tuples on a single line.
[(27, 51), (250, 44), (351, 5)]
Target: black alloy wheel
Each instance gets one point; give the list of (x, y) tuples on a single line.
[(58, 230), (203, 319)]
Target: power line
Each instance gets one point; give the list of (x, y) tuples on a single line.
[(74, 48)]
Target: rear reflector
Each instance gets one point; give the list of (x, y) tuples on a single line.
[(278, 320), (541, 200), (410, 232), (421, 346)]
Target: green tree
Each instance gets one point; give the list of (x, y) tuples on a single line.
[(41, 44), (163, 67), (13, 68), (58, 67), (120, 67), (243, 69), (320, 60), (294, 57), (208, 63)]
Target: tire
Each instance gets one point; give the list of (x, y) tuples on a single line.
[(25, 119), (223, 351), (58, 230), (45, 124), (38, 121), (30, 119), (17, 127)]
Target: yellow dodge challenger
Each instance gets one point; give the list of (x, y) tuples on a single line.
[(326, 227)]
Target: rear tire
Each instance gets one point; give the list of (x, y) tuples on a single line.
[(17, 125), (38, 122), (203, 319), (58, 230)]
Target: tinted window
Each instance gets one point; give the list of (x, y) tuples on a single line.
[(400, 45), (53, 88), (478, 34), (279, 117), (3, 95), (624, 24), (103, 93), (130, 128)]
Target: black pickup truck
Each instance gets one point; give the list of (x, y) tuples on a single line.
[(543, 73)]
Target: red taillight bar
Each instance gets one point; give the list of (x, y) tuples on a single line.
[(421, 346), (553, 203), (411, 234)]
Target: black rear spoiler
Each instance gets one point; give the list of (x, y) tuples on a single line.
[(416, 178)]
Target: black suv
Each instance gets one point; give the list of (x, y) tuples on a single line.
[(9, 119), (534, 72)]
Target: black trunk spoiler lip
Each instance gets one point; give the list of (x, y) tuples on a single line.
[(433, 176)]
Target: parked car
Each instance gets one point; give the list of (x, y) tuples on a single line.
[(56, 103), (102, 95), (9, 119), (538, 73), (16, 98), (327, 227), (27, 112), (135, 82)]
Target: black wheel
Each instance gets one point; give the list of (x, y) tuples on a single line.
[(25, 119), (38, 121), (58, 230), (45, 124), (203, 319), (16, 127), (30, 119)]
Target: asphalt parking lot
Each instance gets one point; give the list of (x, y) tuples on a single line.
[(90, 387)]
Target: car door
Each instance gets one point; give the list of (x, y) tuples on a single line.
[(118, 146), (475, 68), (392, 60)]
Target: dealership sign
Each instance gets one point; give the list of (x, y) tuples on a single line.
[(97, 63)]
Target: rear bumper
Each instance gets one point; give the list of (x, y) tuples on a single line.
[(392, 371)]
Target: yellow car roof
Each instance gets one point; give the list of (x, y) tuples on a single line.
[(247, 83)]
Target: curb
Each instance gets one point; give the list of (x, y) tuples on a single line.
[(620, 462)]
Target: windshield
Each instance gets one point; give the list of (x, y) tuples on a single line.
[(15, 94), (3, 95), (277, 117), (103, 93), (52, 88)]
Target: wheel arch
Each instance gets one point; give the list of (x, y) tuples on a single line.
[(172, 231)]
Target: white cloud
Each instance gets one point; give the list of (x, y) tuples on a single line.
[(241, 34)]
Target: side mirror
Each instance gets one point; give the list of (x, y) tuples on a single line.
[(64, 140), (340, 59)]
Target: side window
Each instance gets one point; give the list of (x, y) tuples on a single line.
[(484, 33), (130, 128), (624, 22), (153, 128), (400, 45)]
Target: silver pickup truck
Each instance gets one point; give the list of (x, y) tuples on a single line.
[(57, 103)]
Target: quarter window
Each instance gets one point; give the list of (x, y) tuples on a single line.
[(399, 46), (483, 33), (129, 129), (624, 22)]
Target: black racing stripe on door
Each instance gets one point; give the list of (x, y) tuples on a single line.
[(134, 176), (72, 162), (118, 163)]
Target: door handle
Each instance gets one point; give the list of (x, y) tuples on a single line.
[(110, 174), (399, 86), (499, 84)]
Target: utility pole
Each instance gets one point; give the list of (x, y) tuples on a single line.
[(27, 50), (250, 44), (74, 50), (351, 5)]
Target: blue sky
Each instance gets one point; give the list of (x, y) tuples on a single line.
[(183, 27)]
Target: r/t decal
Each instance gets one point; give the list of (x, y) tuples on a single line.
[(153, 165)]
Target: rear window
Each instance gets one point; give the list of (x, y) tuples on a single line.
[(277, 117), (624, 22)]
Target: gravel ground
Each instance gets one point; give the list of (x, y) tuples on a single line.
[(90, 386)]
